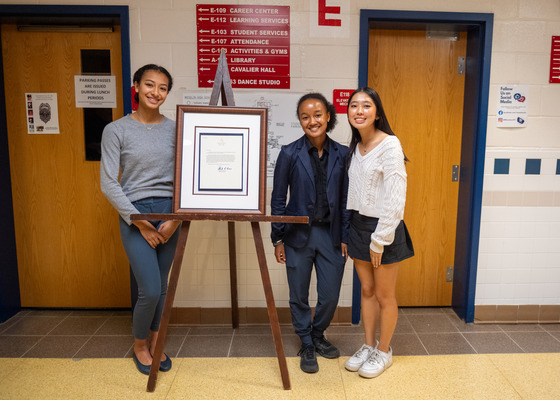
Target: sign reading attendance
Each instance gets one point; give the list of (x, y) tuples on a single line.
[(256, 40)]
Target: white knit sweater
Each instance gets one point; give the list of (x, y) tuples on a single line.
[(377, 188)]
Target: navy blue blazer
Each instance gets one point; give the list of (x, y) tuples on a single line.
[(293, 171)]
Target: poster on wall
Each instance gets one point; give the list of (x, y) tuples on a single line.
[(42, 113), (512, 106)]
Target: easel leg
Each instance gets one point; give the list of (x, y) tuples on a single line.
[(166, 314), (271, 307), (233, 275)]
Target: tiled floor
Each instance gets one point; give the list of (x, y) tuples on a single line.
[(87, 355), (107, 334)]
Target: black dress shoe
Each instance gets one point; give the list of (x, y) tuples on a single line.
[(308, 362), (325, 348), (144, 369)]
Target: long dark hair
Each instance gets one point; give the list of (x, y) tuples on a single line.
[(381, 121), (329, 106), (151, 67)]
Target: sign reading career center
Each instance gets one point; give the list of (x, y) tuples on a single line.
[(256, 40)]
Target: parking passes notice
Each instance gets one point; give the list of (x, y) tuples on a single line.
[(256, 40)]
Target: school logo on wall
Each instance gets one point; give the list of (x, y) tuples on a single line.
[(45, 112)]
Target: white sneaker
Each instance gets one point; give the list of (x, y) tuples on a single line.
[(378, 362), (355, 362)]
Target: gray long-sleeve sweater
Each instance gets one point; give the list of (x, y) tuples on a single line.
[(144, 155)]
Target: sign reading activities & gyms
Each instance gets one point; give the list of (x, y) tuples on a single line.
[(256, 40)]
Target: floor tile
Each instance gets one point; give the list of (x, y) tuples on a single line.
[(445, 343), (16, 346), (177, 330), (521, 328), (257, 330), (57, 347), (211, 331), (534, 376), (55, 379), (347, 344), (93, 313), (252, 346), (106, 347), (116, 326), (492, 342), (48, 313), (34, 325), (423, 323), (344, 330), (433, 377), (462, 326), (407, 345), (536, 342), (78, 326), (292, 344), (551, 327), (403, 325), (205, 346), (421, 310)]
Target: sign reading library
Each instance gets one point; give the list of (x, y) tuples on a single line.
[(256, 40)]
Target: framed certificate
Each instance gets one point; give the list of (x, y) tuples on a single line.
[(220, 163)]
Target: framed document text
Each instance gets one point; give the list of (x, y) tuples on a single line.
[(220, 162)]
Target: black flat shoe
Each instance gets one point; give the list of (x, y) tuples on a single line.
[(165, 365), (144, 369)]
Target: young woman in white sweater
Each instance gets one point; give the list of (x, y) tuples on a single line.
[(378, 238)]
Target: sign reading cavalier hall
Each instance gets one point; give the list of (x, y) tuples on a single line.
[(256, 40)]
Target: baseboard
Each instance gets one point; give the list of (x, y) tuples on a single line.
[(517, 314), (247, 315)]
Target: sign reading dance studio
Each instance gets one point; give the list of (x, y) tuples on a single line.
[(256, 40)]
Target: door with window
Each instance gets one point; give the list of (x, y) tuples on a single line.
[(67, 237), (421, 86)]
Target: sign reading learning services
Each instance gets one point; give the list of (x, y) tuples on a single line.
[(256, 40), (95, 91)]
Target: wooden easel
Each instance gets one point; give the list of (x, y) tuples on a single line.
[(222, 85)]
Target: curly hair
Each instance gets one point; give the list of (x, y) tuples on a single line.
[(329, 106)]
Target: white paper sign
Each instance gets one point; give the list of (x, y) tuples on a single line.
[(95, 91), (42, 113), (512, 106)]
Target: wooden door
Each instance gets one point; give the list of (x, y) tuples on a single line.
[(67, 237), (422, 93)]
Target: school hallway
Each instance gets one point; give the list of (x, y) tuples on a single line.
[(75, 354)]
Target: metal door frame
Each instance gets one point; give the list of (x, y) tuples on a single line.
[(10, 303), (479, 29)]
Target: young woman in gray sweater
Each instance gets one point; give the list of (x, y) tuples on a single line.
[(141, 148)]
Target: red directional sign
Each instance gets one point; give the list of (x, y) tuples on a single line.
[(555, 60), (256, 40)]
